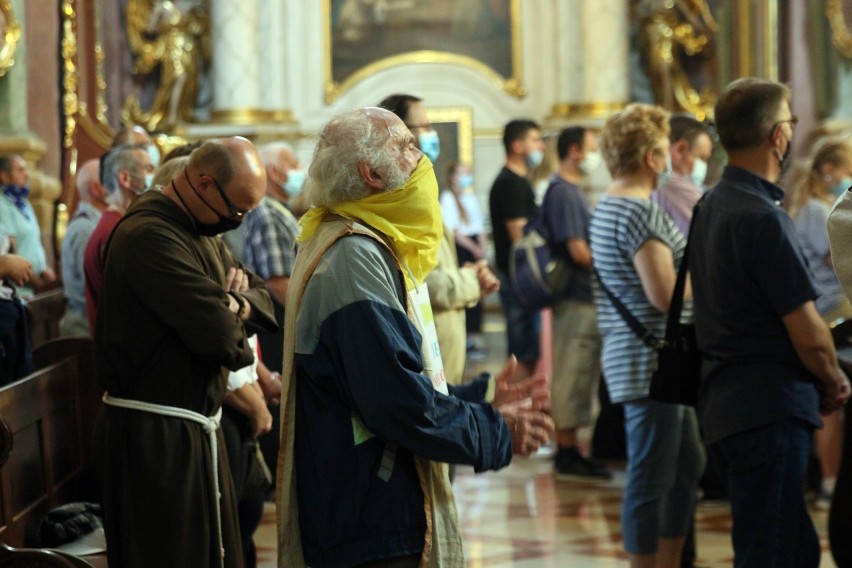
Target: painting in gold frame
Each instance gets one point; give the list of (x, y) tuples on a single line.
[(367, 36), (454, 126)]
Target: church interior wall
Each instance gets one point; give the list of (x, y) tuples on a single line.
[(576, 66)]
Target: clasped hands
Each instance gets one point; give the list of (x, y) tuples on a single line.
[(524, 405), (488, 283)]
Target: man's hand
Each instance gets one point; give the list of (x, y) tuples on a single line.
[(533, 391), (236, 280), (260, 421), (16, 268), (530, 429), (834, 395), (488, 283), (270, 384)]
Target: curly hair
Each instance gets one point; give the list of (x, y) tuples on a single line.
[(345, 141), (629, 134)]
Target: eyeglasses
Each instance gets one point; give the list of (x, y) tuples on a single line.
[(231, 208), (793, 122)]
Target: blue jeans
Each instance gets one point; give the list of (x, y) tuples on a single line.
[(665, 460), (766, 473), (523, 326)]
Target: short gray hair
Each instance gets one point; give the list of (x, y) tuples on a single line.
[(344, 142), (270, 152), (120, 158)]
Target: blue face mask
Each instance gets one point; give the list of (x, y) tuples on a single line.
[(465, 181), (534, 159), (841, 186), (430, 145), (294, 183), (154, 153)]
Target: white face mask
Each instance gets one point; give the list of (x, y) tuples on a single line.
[(590, 162), (699, 172)]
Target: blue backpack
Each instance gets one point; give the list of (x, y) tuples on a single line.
[(539, 277)]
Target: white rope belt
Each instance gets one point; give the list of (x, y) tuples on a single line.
[(210, 424)]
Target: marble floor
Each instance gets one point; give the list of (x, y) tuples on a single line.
[(523, 517)]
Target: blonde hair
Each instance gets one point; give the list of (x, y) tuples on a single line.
[(629, 134), (810, 182)]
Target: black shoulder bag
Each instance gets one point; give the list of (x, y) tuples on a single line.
[(677, 379)]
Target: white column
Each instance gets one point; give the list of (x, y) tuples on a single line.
[(592, 59), (272, 35), (236, 61)]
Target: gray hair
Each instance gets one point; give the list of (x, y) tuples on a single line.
[(86, 174), (270, 152), (119, 158), (344, 142)]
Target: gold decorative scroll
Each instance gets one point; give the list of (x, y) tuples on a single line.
[(70, 102), (840, 34), (10, 33)]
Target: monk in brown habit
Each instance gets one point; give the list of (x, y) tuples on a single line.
[(174, 318)]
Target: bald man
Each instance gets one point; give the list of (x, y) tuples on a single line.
[(174, 317), (92, 195)]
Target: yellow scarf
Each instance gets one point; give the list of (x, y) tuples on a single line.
[(410, 216)]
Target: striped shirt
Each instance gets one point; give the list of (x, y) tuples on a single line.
[(619, 227)]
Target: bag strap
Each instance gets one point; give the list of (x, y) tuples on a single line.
[(647, 336), (676, 305)]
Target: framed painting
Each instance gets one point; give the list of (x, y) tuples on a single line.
[(367, 36), (454, 126)]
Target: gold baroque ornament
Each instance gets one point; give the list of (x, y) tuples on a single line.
[(70, 102), (174, 38), (10, 33), (840, 35)]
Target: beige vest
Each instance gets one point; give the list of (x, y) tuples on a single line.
[(443, 544)]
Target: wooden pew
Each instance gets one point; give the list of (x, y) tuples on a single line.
[(47, 421), (44, 311)]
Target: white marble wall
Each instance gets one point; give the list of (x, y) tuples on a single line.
[(236, 55)]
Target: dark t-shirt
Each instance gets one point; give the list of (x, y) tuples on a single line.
[(567, 216), (511, 197), (748, 272)]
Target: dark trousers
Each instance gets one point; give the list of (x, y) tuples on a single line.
[(16, 358), (235, 431), (840, 516), (473, 316), (272, 355), (766, 470)]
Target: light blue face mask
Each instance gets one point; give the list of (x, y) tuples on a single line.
[(841, 186), (699, 172), (154, 153), (294, 183), (149, 179), (465, 181), (534, 159), (430, 144)]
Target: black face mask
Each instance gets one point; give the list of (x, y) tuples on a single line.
[(784, 160), (223, 225)]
